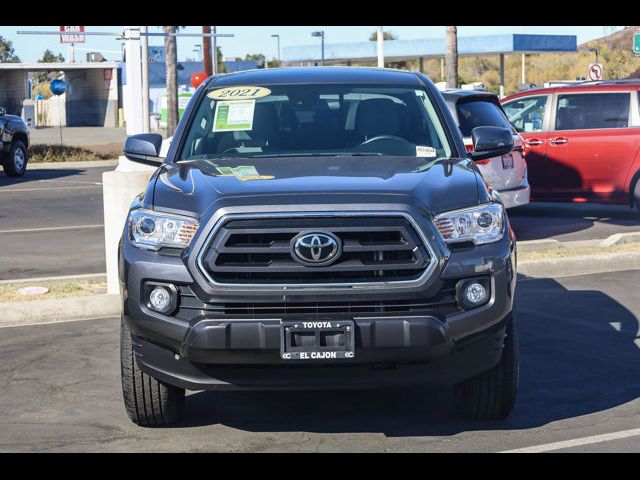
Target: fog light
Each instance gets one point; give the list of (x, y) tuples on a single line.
[(475, 293), (160, 299)]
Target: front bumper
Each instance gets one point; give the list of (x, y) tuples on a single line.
[(212, 351), (516, 196)]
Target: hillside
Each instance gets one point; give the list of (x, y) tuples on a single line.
[(622, 39)]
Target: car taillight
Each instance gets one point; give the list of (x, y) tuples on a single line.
[(469, 148)]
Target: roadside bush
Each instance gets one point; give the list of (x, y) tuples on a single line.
[(63, 153)]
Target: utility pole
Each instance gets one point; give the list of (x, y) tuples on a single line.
[(380, 48), (277, 37), (206, 51), (133, 87), (215, 52), (144, 41), (321, 35)]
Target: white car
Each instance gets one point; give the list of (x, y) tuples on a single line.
[(508, 173)]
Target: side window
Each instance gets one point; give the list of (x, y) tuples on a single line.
[(478, 113), (526, 113), (592, 110)]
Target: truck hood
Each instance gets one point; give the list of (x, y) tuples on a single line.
[(435, 185)]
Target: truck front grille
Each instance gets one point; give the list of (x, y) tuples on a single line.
[(257, 251)]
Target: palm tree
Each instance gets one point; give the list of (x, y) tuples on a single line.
[(451, 57), (171, 55)]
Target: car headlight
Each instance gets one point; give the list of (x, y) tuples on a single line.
[(153, 230), (479, 225)]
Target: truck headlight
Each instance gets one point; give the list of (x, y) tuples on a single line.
[(482, 224), (153, 230)]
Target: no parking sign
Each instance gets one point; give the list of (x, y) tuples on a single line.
[(595, 71)]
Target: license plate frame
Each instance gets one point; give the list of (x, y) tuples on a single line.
[(317, 340), (507, 161)]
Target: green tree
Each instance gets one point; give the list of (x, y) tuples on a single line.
[(48, 57), (7, 52), (385, 36), (222, 68)]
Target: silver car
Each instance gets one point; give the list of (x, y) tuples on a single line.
[(506, 174)]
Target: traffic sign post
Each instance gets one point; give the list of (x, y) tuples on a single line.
[(595, 71)]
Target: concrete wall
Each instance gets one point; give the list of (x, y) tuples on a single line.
[(51, 112), (13, 89), (92, 98)]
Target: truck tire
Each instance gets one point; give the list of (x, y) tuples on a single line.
[(636, 195), (15, 161), (148, 402), (492, 394)]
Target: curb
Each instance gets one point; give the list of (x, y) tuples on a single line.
[(579, 265), (620, 238), (545, 245), (66, 165), (59, 310), (62, 278)]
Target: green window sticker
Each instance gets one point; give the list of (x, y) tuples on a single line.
[(234, 116)]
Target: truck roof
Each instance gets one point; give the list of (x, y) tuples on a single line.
[(305, 75)]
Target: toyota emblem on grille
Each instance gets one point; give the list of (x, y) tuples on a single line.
[(315, 248)]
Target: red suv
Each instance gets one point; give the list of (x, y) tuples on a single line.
[(581, 141)]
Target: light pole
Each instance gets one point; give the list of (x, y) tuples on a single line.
[(321, 35), (277, 37)]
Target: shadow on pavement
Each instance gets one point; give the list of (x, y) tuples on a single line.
[(539, 220), (573, 362), (36, 175)]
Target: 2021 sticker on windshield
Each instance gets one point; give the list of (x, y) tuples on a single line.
[(234, 116), (239, 93)]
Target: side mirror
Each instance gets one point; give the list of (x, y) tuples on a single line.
[(144, 148), (491, 142)]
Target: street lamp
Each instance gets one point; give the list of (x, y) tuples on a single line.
[(321, 35), (277, 37)]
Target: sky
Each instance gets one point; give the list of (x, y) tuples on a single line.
[(257, 39)]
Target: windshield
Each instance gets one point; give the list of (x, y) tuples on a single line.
[(315, 120)]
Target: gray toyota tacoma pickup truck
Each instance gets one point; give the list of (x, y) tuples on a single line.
[(317, 228)]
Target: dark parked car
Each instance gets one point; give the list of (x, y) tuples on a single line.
[(14, 135), (313, 228)]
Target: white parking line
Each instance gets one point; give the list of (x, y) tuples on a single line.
[(44, 229), (607, 437), (13, 190)]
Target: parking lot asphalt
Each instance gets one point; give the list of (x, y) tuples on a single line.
[(51, 223), (62, 211), (572, 221), (579, 371)]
